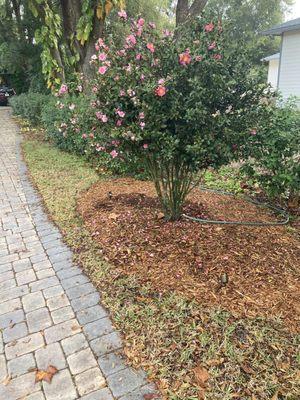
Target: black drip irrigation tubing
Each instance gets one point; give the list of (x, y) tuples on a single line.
[(284, 214)]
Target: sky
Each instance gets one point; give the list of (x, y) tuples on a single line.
[(295, 12)]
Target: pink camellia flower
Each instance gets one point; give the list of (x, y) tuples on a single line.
[(253, 132), (99, 148), (217, 57), (212, 46), (131, 40), (114, 154), (138, 56), (94, 89), (150, 47), (100, 42), (209, 27), (63, 89), (145, 146), (84, 136), (122, 14), (161, 81), (142, 125), (102, 57), (119, 122), (120, 113), (91, 135), (160, 91), (102, 70), (101, 117), (97, 47), (152, 25), (141, 115), (121, 53), (141, 22), (167, 33), (185, 57)]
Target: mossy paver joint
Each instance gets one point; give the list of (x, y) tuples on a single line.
[(50, 312)]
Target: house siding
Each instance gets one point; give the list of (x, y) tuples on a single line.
[(289, 71), (273, 73)]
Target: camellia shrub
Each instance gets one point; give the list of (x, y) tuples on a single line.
[(70, 124), (274, 154), (181, 103)]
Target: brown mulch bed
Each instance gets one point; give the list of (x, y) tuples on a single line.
[(262, 263)]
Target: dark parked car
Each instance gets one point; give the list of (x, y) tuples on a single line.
[(5, 94)]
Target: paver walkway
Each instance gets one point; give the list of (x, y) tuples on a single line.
[(49, 311)]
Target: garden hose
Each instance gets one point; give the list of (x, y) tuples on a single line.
[(284, 214)]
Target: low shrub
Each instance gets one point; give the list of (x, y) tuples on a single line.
[(30, 106), (70, 123), (274, 154)]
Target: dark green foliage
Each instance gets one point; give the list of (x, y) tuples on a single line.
[(29, 106), (275, 153)]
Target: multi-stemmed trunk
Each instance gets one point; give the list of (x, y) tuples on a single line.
[(173, 180)]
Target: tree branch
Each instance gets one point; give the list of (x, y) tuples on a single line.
[(197, 7)]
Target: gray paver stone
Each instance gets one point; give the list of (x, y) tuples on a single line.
[(61, 387), (125, 381), (81, 361), (98, 328), (102, 394), (61, 331), (74, 343), (15, 332), (51, 354), (86, 301), (89, 381), (25, 345), (111, 363), (20, 365), (91, 314), (107, 343), (38, 320), (33, 301)]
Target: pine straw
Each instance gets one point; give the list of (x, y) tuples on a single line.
[(188, 258)]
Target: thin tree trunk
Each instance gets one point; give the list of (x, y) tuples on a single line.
[(97, 33), (184, 12)]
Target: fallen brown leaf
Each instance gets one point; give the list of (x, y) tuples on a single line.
[(6, 380), (201, 376), (247, 369), (47, 375), (150, 396)]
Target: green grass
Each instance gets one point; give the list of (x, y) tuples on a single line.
[(168, 335)]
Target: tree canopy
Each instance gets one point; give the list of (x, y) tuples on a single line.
[(56, 38)]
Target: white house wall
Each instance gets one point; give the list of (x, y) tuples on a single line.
[(273, 72), (289, 70)]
